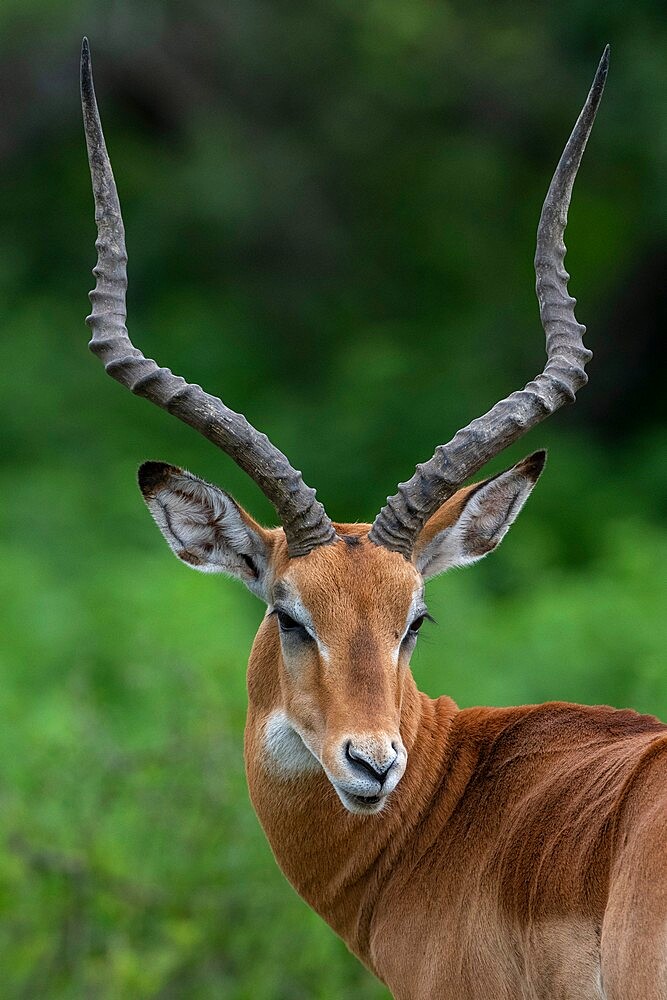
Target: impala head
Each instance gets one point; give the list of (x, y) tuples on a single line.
[(345, 602), (342, 621)]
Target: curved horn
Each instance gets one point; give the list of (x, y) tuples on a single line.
[(303, 518), (400, 521)]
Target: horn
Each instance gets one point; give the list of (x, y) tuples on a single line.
[(398, 524), (303, 518)]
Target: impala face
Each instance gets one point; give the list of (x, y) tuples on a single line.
[(344, 656)]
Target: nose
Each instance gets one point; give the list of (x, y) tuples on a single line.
[(375, 762)]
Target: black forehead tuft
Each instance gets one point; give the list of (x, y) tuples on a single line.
[(351, 540)]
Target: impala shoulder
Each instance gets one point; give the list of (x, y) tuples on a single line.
[(611, 724), (503, 735)]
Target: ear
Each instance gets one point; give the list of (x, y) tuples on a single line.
[(476, 519), (205, 527)]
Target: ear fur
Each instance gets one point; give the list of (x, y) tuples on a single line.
[(475, 520), (205, 527)]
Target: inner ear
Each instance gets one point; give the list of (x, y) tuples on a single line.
[(205, 527), (474, 521)]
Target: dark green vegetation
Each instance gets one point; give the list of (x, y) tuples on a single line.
[(331, 211)]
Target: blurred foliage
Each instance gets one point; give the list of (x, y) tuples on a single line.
[(331, 210)]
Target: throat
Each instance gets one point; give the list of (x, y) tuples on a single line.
[(319, 845), (336, 860)]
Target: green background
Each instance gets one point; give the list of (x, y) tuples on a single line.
[(331, 210)]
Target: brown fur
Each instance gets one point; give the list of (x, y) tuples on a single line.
[(522, 854)]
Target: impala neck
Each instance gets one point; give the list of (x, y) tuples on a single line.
[(335, 860)]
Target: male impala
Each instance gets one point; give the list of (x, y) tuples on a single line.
[(487, 853)]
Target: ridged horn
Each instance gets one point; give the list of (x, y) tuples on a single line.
[(303, 518), (398, 524)]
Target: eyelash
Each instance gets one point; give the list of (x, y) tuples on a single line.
[(417, 624), (288, 624)]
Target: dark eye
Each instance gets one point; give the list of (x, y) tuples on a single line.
[(288, 624), (417, 624)]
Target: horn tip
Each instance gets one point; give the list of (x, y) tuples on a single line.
[(603, 65), (86, 67), (600, 76)]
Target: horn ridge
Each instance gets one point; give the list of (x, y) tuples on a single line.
[(399, 522), (303, 517)]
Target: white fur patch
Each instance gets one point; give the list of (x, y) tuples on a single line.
[(286, 751)]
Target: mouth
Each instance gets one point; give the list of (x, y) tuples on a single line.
[(361, 790), (367, 800), (364, 805)]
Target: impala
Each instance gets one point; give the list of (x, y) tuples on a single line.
[(484, 853)]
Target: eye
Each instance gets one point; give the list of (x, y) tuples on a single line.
[(289, 624), (286, 623), (417, 624)]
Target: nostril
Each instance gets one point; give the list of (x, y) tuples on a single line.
[(354, 757), (358, 758)]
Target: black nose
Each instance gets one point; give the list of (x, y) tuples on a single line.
[(361, 759)]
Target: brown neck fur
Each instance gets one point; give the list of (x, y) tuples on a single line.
[(337, 861), (494, 865), (520, 806)]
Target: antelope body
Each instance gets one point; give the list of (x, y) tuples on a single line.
[(469, 855)]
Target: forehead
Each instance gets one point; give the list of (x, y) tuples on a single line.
[(351, 576)]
